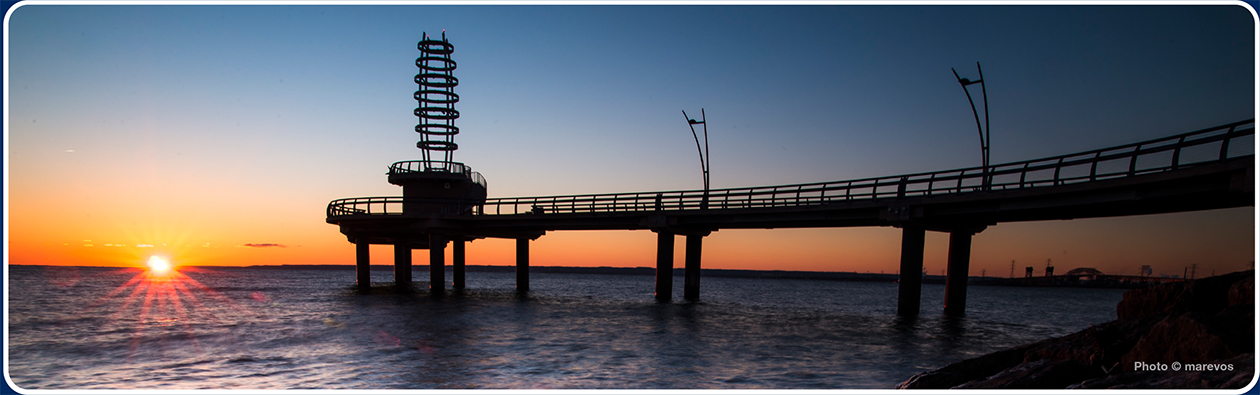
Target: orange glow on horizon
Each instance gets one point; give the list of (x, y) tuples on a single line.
[(1167, 242)]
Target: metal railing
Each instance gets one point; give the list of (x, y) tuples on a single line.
[(1205, 146), (397, 206), (431, 166)]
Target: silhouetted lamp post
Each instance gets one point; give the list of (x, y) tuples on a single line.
[(984, 132), (704, 154)]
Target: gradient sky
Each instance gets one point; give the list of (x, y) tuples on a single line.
[(218, 134)]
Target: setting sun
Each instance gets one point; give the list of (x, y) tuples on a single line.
[(158, 265)]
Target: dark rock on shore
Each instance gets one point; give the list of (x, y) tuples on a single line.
[(1045, 373), (1209, 295), (1205, 326), (1239, 377), (1192, 337)]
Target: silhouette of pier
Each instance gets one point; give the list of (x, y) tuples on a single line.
[(445, 201)]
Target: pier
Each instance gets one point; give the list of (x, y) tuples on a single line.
[(446, 202)]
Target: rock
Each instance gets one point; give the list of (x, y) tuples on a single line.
[(1208, 295), (967, 370), (1122, 380), (1240, 321), (1244, 370), (1243, 292), (1101, 346), (1041, 374), (1196, 337), (1206, 321), (1156, 299), (1237, 374), (932, 380), (1188, 338), (1098, 348)]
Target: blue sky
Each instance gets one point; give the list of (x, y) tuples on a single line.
[(795, 94), (307, 104)]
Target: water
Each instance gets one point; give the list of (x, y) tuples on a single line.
[(254, 328)]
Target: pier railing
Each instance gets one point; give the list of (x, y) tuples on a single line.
[(1205, 146), (423, 166), (398, 206)]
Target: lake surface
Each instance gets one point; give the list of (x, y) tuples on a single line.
[(266, 328)]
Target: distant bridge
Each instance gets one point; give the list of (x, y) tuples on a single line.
[(1206, 169)]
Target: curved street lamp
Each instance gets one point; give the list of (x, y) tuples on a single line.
[(984, 132), (704, 154)]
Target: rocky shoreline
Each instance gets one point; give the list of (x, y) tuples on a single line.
[(1195, 334)]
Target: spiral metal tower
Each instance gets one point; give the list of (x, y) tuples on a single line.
[(436, 184), (436, 98)]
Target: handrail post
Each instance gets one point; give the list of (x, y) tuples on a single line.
[(1093, 167), (1225, 143), (1057, 167), (1023, 174), (1133, 160), (984, 178), (1177, 152)]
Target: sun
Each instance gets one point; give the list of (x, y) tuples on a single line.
[(158, 265)]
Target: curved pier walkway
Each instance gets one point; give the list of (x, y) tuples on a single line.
[(1201, 170)]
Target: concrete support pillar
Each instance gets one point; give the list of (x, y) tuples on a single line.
[(910, 282), (522, 265), (691, 272), (664, 265), (437, 263), (956, 275), (402, 263), (457, 261), (362, 267)]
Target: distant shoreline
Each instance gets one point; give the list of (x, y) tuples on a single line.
[(678, 272)]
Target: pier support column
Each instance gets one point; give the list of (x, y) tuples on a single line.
[(522, 265), (956, 275), (910, 282), (402, 263), (457, 263), (664, 265), (437, 264), (691, 273), (362, 267)]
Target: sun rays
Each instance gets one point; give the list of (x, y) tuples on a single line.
[(162, 296)]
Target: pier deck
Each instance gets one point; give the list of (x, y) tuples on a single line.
[(1201, 170)]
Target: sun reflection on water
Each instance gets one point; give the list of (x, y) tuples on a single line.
[(162, 298)]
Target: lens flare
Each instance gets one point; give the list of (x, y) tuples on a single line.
[(158, 265), (161, 297)]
